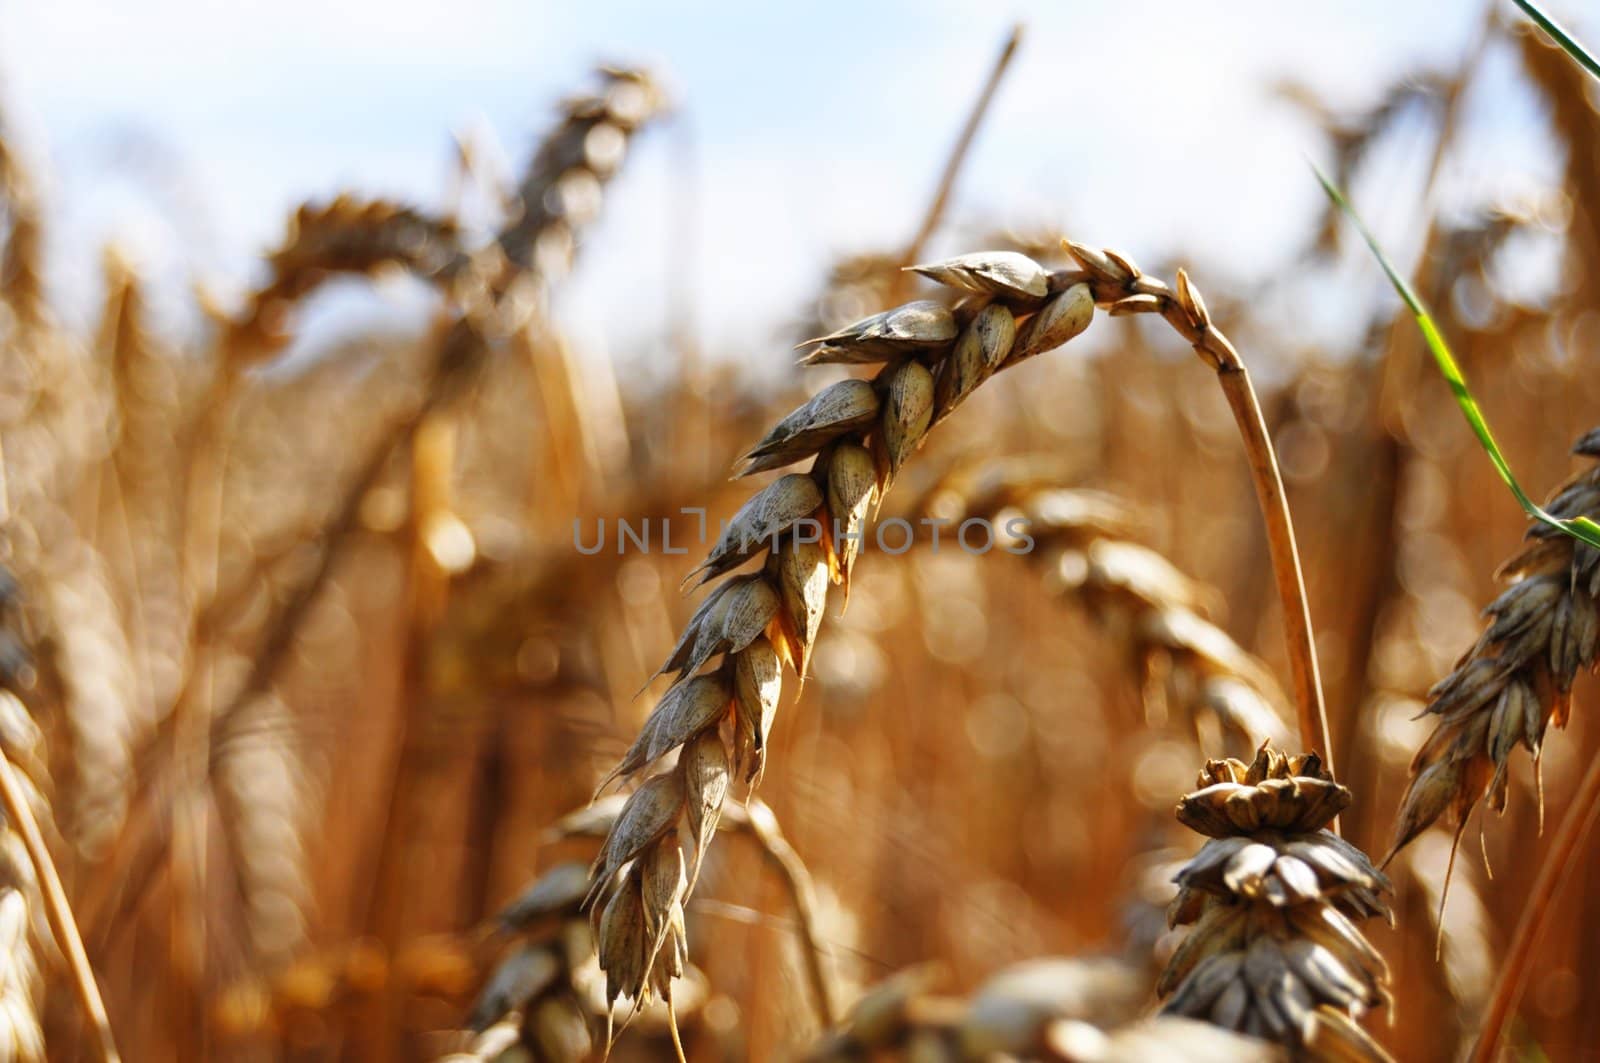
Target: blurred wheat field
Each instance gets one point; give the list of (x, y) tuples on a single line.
[(314, 660)]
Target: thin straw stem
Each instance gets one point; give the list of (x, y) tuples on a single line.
[(57, 910)]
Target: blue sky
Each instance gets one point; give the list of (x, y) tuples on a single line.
[(186, 130)]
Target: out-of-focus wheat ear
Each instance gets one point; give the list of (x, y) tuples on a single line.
[(1080, 546), (560, 190), (346, 236), (261, 794)]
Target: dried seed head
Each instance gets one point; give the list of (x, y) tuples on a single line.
[(983, 345), (1282, 987), (837, 409), (907, 413), (522, 976), (801, 571), (892, 334), (1007, 274), (1517, 678), (757, 686), (769, 513), (1058, 321), (1273, 952), (852, 488)]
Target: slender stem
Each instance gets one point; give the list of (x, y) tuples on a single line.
[(1556, 869), (57, 910), (1117, 283), (1286, 572), (797, 882), (952, 166)]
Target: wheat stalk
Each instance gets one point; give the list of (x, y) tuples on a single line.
[(1081, 541), (859, 434), (1273, 897)]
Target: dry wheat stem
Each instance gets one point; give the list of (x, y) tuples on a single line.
[(57, 910), (1537, 909)]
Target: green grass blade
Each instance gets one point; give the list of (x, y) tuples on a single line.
[(1581, 528), (1579, 53)]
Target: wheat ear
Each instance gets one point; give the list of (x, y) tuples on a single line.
[(860, 432), (1274, 897), (1517, 678)]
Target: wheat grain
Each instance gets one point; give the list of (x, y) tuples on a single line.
[(1516, 680), (1273, 897)]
